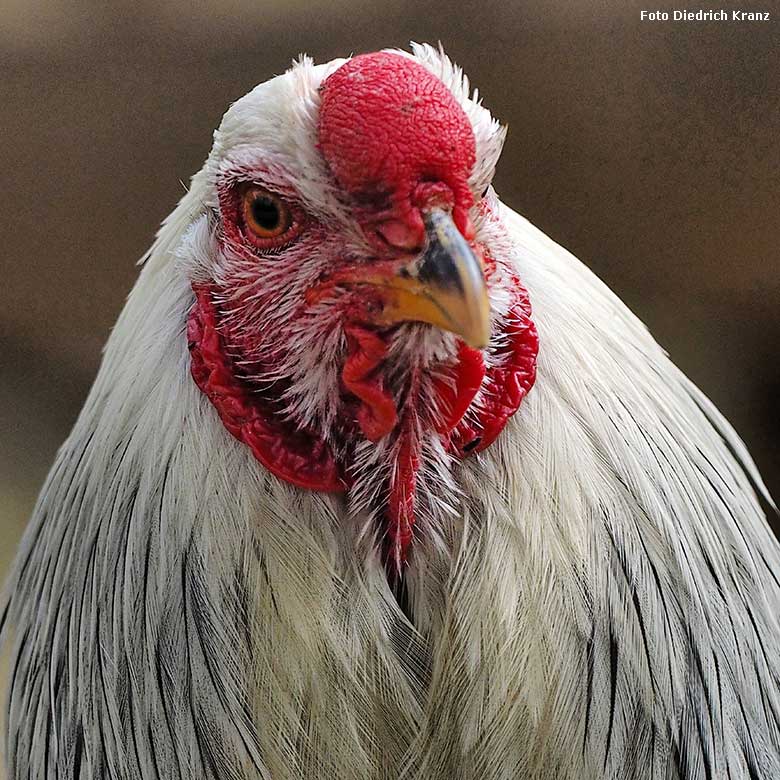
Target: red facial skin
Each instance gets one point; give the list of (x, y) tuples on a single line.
[(395, 140)]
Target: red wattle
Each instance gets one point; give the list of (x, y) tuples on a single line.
[(400, 514), (454, 401), (298, 457), (506, 383), (304, 459), (377, 414)]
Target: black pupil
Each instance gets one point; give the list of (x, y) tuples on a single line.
[(265, 213)]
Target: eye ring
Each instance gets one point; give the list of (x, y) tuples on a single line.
[(266, 220)]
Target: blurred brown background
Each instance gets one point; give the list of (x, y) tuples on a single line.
[(648, 149)]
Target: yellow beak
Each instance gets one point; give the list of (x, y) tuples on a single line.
[(444, 286)]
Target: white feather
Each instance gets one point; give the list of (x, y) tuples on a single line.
[(594, 596)]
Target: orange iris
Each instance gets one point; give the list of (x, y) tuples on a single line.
[(265, 214)]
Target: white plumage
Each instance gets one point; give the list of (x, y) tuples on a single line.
[(596, 595)]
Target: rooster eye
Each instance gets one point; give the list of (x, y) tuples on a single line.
[(266, 217)]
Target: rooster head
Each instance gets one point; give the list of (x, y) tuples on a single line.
[(358, 322)]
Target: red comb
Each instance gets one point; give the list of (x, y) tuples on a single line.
[(388, 124)]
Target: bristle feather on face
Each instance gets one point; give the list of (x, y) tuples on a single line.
[(391, 139), (595, 595)]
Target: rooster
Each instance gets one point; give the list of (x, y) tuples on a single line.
[(377, 481)]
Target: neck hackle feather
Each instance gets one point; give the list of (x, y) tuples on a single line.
[(595, 595)]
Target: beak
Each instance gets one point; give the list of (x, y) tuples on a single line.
[(444, 286)]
